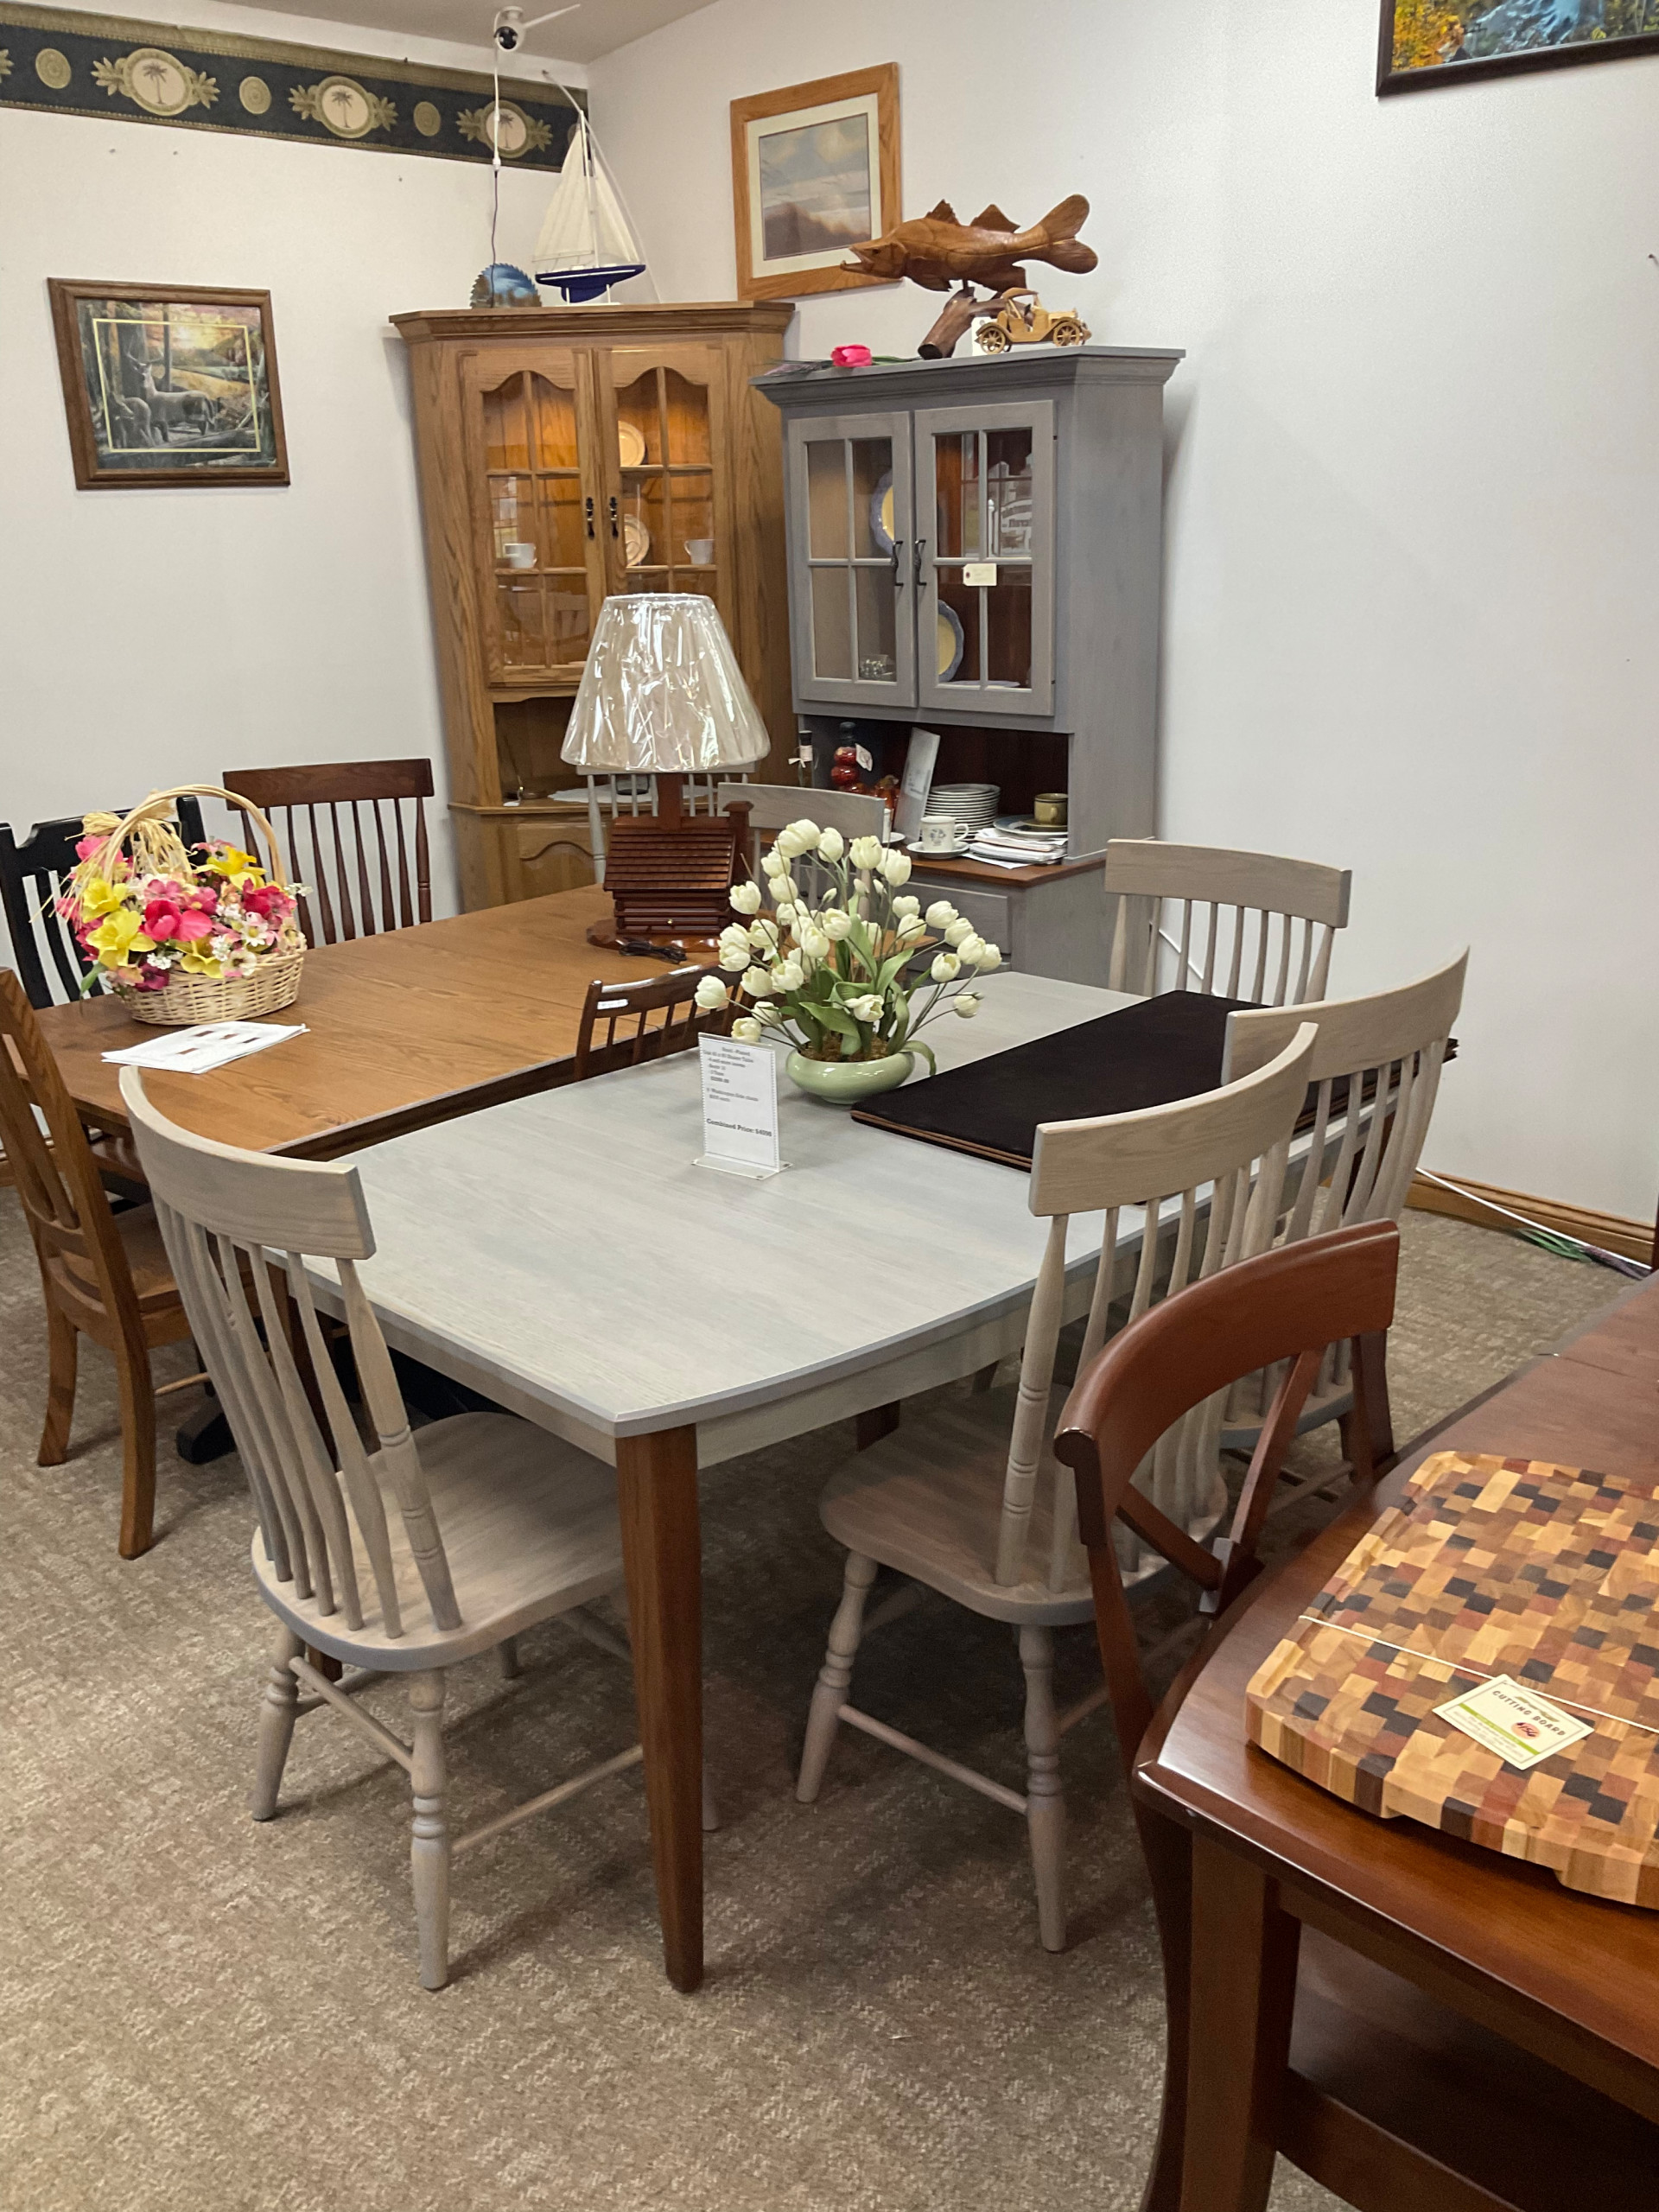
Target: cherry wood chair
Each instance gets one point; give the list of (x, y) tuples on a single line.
[(347, 835), (1389, 1048), (972, 1506), (1378, 2091), (103, 1275), (31, 875), (1266, 936), (402, 1558), (644, 1021)]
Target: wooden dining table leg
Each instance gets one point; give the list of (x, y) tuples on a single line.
[(661, 1554), (1244, 1994)]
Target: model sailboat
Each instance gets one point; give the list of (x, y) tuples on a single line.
[(586, 245)]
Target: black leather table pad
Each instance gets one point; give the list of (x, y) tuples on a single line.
[(1147, 1054)]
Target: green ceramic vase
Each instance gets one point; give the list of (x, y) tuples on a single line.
[(845, 1083)]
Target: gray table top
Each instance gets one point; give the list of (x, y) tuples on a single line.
[(564, 1254)]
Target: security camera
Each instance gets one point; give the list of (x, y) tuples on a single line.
[(509, 29)]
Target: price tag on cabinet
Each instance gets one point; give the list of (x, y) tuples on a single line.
[(978, 572)]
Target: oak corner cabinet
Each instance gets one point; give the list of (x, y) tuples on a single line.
[(975, 547), (566, 453)]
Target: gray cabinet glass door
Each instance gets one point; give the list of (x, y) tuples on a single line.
[(985, 611), (851, 566)]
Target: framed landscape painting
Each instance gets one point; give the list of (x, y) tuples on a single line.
[(1436, 43), (169, 384), (815, 169)]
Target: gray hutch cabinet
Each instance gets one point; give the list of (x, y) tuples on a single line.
[(975, 548)]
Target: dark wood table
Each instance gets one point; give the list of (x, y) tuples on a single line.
[(1568, 1977), (403, 1031)]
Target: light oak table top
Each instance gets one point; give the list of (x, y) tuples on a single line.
[(402, 1030)]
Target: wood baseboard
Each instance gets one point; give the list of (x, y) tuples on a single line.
[(1614, 1232)]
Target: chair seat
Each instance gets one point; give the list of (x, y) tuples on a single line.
[(927, 1500), (1534, 2137), (530, 1526)]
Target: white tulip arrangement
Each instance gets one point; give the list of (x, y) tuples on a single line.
[(855, 978)]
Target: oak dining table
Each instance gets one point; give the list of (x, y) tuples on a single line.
[(1567, 1977), (402, 1029), (566, 1256)]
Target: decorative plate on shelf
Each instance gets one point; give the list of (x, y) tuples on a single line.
[(952, 644), (631, 445), (881, 514), (636, 541)]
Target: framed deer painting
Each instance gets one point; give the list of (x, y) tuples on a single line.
[(169, 384)]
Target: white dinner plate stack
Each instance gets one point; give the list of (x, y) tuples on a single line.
[(973, 803)]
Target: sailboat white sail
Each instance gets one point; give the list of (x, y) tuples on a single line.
[(586, 245)]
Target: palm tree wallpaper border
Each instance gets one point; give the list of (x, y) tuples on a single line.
[(1424, 42)]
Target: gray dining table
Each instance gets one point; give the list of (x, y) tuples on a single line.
[(565, 1255)]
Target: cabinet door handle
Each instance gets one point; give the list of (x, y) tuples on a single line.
[(614, 531), (898, 579), (920, 546), (589, 503)]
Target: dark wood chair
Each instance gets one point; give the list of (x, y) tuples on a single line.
[(347, 837), (103, 1275), (643, 1021), (31, 875), (1381, 2094)]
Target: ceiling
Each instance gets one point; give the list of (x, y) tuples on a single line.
[(597, 27)]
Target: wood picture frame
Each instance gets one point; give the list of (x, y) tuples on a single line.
[(159, 389), (1412, 30), (834, 141)]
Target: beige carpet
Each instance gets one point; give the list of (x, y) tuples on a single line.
[(206, 2016)]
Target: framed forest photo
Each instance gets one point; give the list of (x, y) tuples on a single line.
[(815, 169), (169, 384), (1426, 42)]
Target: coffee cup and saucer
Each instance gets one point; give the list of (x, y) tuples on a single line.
[(942, 837)]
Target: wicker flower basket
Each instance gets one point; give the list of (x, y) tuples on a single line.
[(186, 999)]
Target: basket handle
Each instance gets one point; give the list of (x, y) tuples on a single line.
[(155, 807)]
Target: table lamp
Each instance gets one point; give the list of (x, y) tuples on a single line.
[(662, 696)]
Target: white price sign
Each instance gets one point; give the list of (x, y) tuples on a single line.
[(739, 1108)]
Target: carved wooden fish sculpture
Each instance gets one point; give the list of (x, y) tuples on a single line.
[(937, 251)]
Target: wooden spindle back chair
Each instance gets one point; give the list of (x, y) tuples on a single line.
[(405, 1555), (354, 832), (103, 1275), (633, 1031), (1203, 917), (52, 966), (1387, 1049)]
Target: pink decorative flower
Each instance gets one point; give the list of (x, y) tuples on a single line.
[(85, 847), (267, 900), (149, 977), (181, 917), (851, 357)]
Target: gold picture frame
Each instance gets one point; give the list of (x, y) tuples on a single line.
[(815, 169), (169, 384)]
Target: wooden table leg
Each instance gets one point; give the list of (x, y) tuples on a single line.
[(1243, 1993), (662, 1552)]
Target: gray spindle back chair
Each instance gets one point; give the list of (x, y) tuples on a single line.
[(1266, 935), (344, 832), (973, 1504), (1387, 1049), (492, 1527)]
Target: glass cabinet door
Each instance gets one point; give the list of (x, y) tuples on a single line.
[(664, 525), (543, 571), (985, 615), (851, 559)]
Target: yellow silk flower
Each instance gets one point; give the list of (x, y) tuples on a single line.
[(235, 867), (100, 897), (198, 960), (118, 937)]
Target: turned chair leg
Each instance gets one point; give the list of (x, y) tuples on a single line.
[(428, 1849), (507, 1653), (834, 1676), (63, 1345), (138, 1450), (276, 1725), (1045, 1804)]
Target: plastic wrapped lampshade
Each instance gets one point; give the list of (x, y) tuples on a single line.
[(662, 692)]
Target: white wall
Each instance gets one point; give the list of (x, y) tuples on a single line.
[(1414, 485), (160, 635)]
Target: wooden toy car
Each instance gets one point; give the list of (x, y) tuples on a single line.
[(1022, 319)]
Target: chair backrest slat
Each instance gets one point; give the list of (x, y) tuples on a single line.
[(1256, 891), (1235, 1141), (31, 875), (633, 1008), (354, 889), (223, 1213)]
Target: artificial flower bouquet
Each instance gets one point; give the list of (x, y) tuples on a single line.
[(181, 936), (854, 977)]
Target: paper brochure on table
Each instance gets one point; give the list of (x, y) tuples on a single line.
[(739, 1108), (206, 1045)]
